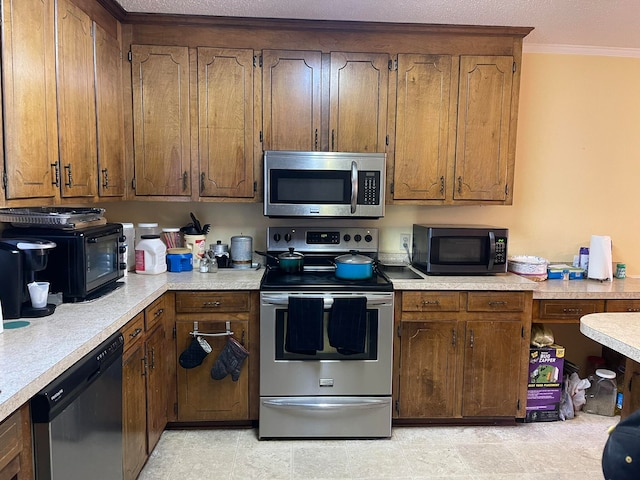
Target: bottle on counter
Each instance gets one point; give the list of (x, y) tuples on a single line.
[(584, 259), (151, 255), (621, 270)]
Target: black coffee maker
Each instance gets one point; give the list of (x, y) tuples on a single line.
[(19, 260)]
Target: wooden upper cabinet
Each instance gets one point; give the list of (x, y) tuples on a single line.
[(423, 129), (225, 104), (109, 114), (484, 113), (291, 98), (29, 97), (359, 89), (76, 101), (161, 125)]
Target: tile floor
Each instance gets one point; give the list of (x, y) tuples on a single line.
[(559, 450)]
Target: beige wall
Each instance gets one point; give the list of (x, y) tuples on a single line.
[(577, 170)]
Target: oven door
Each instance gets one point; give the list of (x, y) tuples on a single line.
[(326, 372)]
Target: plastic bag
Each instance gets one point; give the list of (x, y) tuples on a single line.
[(541, 335), (566, 404), (577, 387)]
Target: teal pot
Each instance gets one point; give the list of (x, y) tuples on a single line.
[(353, 266)]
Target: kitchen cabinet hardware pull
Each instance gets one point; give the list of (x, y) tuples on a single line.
[(135, 333), (144, 366), (210, 304), (202, 182), (153, 359), (105, 176), (572, 310), (184, 180), (333, 140), (228, 332), (67, 167), (454, 337), (315, 141), (431, 302), (497, 303), (56, 178), (471, 339), (441, 185), (633, 309), (459, 184), (158, 312)]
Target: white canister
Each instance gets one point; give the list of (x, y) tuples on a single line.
[(197, 244), (151, 228), (151, 255), (241, 251)]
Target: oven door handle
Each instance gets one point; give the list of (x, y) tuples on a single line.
[(313, 403), (328, 302)]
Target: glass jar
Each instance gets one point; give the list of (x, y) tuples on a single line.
[(602, 394)]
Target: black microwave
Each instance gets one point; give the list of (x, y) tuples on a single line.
[(85, 263), (459, 249)]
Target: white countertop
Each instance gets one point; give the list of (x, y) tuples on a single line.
[(33, 356), (618, 331)]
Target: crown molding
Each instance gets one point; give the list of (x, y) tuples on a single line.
[(581, 50)]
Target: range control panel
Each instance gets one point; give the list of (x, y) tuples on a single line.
[(322, 240)]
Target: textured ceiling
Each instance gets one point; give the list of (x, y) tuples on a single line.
[(583, 23)]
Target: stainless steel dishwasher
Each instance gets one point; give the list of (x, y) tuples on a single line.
[(77, 419)]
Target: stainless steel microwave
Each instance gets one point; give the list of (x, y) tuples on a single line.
[(324, 184), (459, 249)]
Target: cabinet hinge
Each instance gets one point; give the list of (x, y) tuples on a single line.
[(387, 140), (257, 60), (399, 331), (518, 406), (133, 183), (522, 332), (261, 137), (391, 188), (175, 333), (4, 180), (130, 56), (393, 64), (506, 189), (514, 67), (255, 186), (398, 407)]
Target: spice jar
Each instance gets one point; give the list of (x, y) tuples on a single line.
[(621, 270)]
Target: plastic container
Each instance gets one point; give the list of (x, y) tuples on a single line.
[(171, 237), (602, 395), (151, 255), (621, 270), (584, 258), (179, 260), (146, 229)]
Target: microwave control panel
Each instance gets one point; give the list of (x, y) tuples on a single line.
[(501, 251), (368, 188)]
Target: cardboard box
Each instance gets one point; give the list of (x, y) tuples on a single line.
[(545, 383), (554, 272)]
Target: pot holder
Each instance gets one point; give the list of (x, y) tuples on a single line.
[(195, 353), (229, 361)]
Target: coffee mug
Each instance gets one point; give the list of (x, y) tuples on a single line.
[(197, 244)]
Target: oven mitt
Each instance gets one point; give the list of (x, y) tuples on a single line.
[(229, 361), (195, 353)]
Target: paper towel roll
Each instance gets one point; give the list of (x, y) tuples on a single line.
[(600, 260)]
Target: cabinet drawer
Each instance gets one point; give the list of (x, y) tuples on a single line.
[(132, 330), (200, 302), (10, 439), (568, 309), (623, 305), (496, 302), (430, 301), (155, 312)]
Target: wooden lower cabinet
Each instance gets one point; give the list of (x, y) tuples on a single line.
[(148, 382), (16, 462), (462, 354), (200, 397)]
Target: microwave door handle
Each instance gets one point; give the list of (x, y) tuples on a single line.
[(354, 186), (492, 250)]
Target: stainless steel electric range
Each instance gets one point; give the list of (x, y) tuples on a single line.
[(326, 344)]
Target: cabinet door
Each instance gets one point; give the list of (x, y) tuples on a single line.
[(200, 398), (109, 114), (491, 368), (484, 111), (358, 102), (423, 129), (157, 400), (76, 102), (29, 97), (225, 104), (291, 89), (428, 369), (161, 126), (134, 408)]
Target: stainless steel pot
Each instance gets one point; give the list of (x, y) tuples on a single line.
[(353, 266)]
